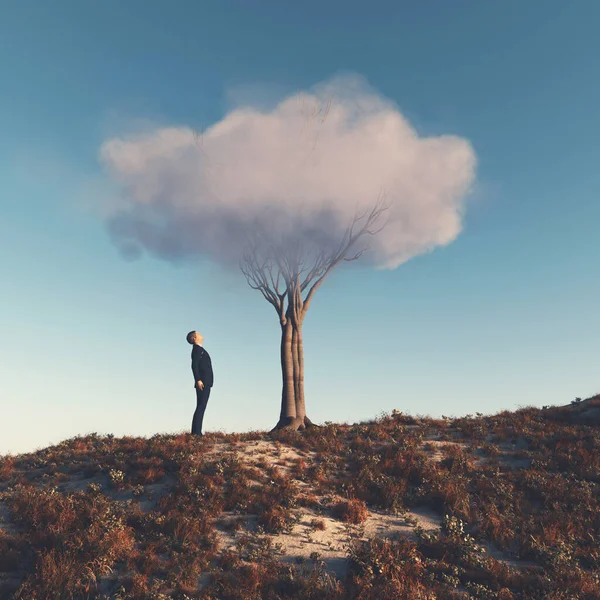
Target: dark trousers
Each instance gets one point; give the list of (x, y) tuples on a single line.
[(201, 402)]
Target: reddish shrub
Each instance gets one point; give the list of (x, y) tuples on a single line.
[(275, 519), (351, 511), (7, 468), (318, 524)]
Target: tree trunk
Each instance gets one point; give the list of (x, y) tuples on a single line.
[(287, 415), (300, 405), (293, 407), (296, 367), (264, 254)]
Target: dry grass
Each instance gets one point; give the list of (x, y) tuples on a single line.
[(513, 501)]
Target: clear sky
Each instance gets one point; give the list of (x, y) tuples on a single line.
[(505, 316)]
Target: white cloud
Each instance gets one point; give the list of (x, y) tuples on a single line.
[(184, 198)]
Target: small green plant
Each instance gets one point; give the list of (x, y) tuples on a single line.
[(116, 477), (138, 490), (94, 488)]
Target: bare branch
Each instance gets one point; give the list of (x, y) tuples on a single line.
[(320, 264), (249, 278), (356, 256), (256, 278), (289, 257), (348, 240), (327, 109)]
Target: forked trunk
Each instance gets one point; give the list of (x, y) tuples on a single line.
[(288, 257), (293, 408)]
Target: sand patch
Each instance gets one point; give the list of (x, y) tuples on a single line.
[(304, 543)]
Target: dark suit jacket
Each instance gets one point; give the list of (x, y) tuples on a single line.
[(201, 366)]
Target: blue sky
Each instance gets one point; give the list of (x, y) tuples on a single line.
[(503, 317)]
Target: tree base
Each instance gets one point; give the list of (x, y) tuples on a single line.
[(293, 424)]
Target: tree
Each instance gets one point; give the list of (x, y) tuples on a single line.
[(269, 264), (179, 204), (258, 265)]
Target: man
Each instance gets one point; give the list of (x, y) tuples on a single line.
[(203, 378)]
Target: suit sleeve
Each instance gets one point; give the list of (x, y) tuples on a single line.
[(197, 364), (206, 369), (202, 366)]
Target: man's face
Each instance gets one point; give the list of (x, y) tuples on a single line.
[(198, 338)]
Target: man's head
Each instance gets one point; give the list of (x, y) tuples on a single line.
[(193, 337)]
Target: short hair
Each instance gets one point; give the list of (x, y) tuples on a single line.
[(190, 337)]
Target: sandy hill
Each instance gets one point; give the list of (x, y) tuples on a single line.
[(504, 506)]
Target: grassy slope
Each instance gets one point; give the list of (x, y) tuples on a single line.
[(516, 496)]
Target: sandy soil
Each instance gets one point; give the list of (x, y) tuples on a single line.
[(303, 541)]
